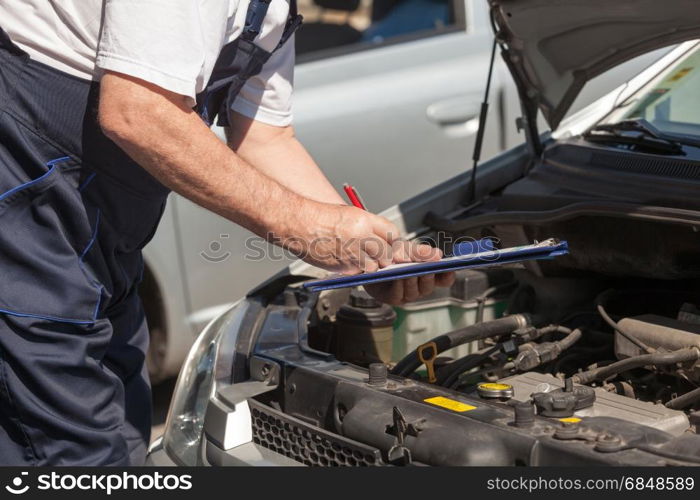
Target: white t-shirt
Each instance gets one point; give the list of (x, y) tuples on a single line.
[(170, 43)]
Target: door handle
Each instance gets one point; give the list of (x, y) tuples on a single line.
[(454, 111)]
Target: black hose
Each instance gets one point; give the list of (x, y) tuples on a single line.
[(600, 301), (657, 358), (684, 401), (452, 371), (495, 328)]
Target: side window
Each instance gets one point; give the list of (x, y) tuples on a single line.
[(332, 27)]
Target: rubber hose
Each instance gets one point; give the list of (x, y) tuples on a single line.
[(657, 358), (570, 339), (455, 369), (452, 371), (685, 400), (600, 302), (495, 328), (541, 332)]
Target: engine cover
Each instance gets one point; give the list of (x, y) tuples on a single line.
[(607, 404)]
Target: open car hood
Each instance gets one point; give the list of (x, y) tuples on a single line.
[(553, 47)]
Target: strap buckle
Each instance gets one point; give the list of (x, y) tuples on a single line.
[(257, 10)]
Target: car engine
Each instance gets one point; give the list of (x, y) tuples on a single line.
[(507, 367), (590, 358), (635, 351)]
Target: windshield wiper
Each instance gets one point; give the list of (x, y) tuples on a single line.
[(641, 133)]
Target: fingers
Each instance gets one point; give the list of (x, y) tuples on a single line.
[(400, 292), (412, 251), (420, 252), (401, 251), (378, 250), (426, 285), (444, 280), (365, 262), (395, 295), (356, 260), (411, 291), (418, 287), (389, 293), (385, 229), (369, 235)]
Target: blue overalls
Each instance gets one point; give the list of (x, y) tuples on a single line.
[(75, 212)]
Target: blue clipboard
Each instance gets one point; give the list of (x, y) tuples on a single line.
[(547, 249)]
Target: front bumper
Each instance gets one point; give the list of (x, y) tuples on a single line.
[(248, 454)]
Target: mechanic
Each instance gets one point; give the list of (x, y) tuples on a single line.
[(105, 107)]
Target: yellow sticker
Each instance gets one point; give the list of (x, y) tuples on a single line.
[(489, 386), (570, 420), (450, 404)]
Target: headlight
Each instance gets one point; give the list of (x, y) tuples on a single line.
[(210, 360)]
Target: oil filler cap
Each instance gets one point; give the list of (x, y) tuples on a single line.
[(492, 390), (565, 401)]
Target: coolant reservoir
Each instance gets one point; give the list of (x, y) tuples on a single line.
[(364, 330), (475, 293)]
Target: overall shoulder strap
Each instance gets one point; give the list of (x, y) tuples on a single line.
[(257, 10), (293, 22), (241, 59)]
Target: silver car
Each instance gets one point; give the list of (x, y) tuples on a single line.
[(591, 358), (387, 98)]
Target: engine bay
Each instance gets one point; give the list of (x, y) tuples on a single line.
[(637, 349), (504, 368), (590, 358)]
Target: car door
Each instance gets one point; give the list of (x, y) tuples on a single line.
[(392, 115), (395, 111)]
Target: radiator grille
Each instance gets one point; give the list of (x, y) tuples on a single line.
[(305, 443)]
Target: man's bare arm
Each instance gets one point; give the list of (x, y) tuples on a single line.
[(160, 132), (276, 152)]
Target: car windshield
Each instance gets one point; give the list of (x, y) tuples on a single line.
[(672, 103)]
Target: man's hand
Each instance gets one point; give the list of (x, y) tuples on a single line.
[(354, 241), (342, 238), (410, 289)]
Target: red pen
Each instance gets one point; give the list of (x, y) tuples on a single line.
[(354, 196)]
